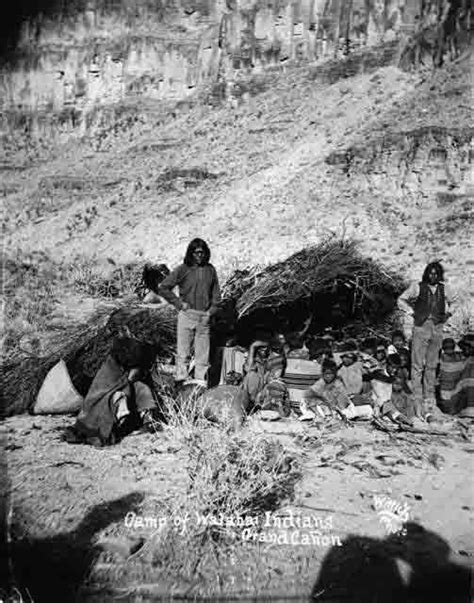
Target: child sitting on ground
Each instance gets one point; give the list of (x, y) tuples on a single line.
[(274, 398), (328, 397), (368, 362), (405, 366), (401, 406), (351, 372), (381, 382), (398, 343), (260, 367), (381, 355)]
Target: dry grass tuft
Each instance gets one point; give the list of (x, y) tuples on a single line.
[(233, 479), (230, 477), (238, 475)]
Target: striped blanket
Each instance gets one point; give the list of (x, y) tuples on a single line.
[(463, 395), (450, 370), (299, 376)]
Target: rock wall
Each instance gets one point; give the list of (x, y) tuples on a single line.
[(85, 54)]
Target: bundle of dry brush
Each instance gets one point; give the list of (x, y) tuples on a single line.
[(84, 347), (313, 272)]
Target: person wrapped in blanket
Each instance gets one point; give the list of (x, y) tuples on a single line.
[(401, 407), (329, 398), (456, 377), (451, 366), (464, 395), (398, 344), (351, 370), (262, 388), (121, 397)]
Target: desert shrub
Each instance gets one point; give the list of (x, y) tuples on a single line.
[(123, 280), (230, 476), (235, 475), (461, 322)]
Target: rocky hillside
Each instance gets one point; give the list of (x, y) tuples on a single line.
[(354, 145)]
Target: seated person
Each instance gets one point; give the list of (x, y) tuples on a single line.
[(330, 351), (401, 406), (381, 355), (405, 365), (450, 369), (276, 360), (351, 369), (369, 364), (258, 368), (398, 343), (463, 395), (152, 277), (328, 397), (368, 346), (274, 397), (367, 354), (121, 397), (381, 380)]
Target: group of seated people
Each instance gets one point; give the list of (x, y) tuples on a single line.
[(319, 378), (312, 378)]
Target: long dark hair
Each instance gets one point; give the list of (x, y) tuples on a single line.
[(439, 269), (195, 244), (153, 274)]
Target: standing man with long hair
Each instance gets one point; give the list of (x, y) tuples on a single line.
[(428, 301), (199, 294)]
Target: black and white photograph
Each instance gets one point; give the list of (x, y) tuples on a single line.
[(237, 298)]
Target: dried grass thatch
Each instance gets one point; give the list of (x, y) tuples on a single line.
[(324, 269), (84, 347)]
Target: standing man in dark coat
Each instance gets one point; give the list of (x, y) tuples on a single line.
[(428, 301), (199, 295)]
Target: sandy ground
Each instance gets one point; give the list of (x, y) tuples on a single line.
[(72, 538)]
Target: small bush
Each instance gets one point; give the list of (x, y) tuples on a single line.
[(124, 280), (231, 476)]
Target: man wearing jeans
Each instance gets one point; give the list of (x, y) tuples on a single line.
[(428, 302), (199, 295)]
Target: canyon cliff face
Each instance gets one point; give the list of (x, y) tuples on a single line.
[(80, 56)]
